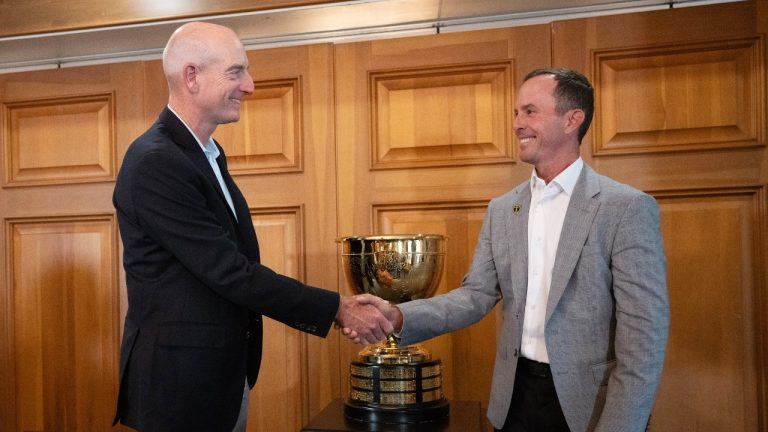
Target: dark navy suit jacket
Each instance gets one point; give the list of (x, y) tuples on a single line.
[(196, 290)]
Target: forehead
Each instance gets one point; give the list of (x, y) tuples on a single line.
[(236, 58), (228, 51), (538, 91)]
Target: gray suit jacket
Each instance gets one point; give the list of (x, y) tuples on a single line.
[(607, 314)]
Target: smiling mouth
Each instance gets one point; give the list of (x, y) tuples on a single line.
[(525, 140)]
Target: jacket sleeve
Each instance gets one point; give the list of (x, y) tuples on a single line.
[(638, 266), (461, 307)]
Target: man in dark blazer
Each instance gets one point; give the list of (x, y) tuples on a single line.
[(577, 261), (196, 290)]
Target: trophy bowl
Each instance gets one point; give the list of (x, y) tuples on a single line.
[(390, 383), (397, 268)]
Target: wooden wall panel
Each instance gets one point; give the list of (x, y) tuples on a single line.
[(61, 301), (268, 137), (705, 30), (62, 140), (681, 113), (278, 399), (650, 99), (714, 240), (64, 322), (441, 116)]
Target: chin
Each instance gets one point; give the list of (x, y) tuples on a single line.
[(230, 119)]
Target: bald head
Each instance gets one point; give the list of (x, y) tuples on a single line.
[(207, 71), (196, 43)]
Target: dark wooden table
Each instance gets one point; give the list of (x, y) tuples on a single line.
[(464, 417)]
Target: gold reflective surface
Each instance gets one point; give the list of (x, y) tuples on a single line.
[(388, 352), (397, 268)]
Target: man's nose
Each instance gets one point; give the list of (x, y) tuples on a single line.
[(247, 84)]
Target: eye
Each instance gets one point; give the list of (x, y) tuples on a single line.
[(235, 73)]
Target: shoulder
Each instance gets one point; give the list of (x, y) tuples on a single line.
[(620, 199), (167, 135), (158, 140), (153, 155), (514, 195), (612, 190)]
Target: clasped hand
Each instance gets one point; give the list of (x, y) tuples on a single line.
[(366, 319)]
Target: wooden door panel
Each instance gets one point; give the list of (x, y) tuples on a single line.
[(650, 98), (61, 296), (65, 322), (425, 139), (268, 138), (680, 112), (713, 240), (277, 401), (467, 355)]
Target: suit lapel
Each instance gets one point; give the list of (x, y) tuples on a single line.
[(576, 226), (516, 218), (243, 221)]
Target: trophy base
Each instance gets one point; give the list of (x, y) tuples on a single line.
[(435, 412), (396, 385)]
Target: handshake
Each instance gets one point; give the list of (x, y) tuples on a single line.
[(367, 319)]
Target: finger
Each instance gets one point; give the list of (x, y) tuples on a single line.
[(386, 326), (379, 333), (370, 340), (365, 299), (375, 300)]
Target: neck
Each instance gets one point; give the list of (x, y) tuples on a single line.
[(548, 170), (192, 118)]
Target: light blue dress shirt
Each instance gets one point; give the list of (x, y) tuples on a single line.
[(211, 153)]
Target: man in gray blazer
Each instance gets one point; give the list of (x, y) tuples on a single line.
[(577, 261)]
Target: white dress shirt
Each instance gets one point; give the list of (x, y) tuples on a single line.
[(549, 202)]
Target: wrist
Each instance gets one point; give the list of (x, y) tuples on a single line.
[(398, 322), (338, 310)]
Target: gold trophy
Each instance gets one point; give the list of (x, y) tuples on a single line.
[(390, 383)]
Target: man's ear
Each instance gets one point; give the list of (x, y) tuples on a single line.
[(190, 74), (574, 119)]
